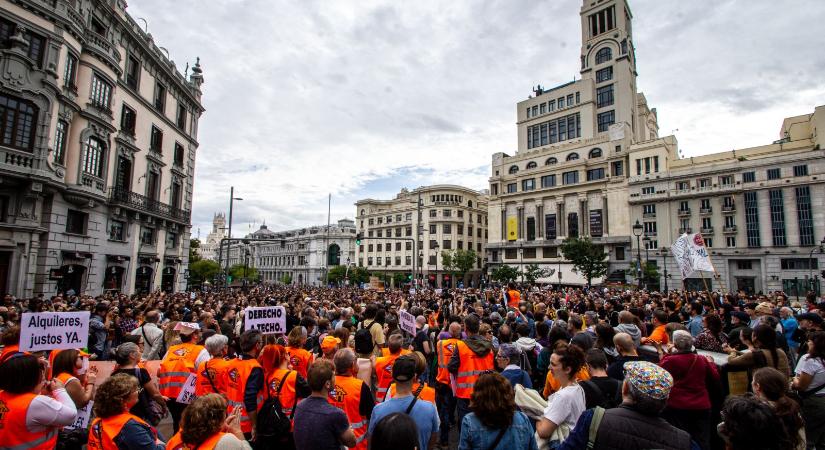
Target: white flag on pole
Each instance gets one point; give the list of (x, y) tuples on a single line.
[(691, 255)]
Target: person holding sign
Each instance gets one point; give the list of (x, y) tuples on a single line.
[(114, 427), (69, 367), (180, 361), (28, 419)]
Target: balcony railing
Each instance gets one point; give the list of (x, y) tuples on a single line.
[(728, 208), (705, 210), (649, 215), (729, 229), (133, 200), (707, 230), (684, 212)]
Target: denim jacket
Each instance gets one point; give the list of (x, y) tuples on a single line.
[(476, 436)]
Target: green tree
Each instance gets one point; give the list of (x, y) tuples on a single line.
[(399, 279), (650, 273), (237, 272), (337, 274), (358, 275), (203, 270), (286, 279), (505, 273), (533, 272), (587, 258), (458, 262), (194, 245)]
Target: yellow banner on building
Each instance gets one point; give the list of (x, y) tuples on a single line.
[(512, 228)]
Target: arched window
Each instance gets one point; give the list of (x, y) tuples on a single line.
[(531, 165), (18, 119), (572, 156), (469, 203), (93, 153), (595, 153), (550, 161), (513, 169), (363, 212), (604, 55)]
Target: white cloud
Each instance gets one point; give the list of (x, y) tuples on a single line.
[(362, 98)]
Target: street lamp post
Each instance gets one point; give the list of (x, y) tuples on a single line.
[(436, 264), (637, 231), (521, 261), (646, 241), (232, 199), (664, 256), (821, 249)]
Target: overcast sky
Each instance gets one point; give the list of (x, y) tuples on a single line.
[(362, 98)]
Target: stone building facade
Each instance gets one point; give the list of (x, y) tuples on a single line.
[(448, 217), (98, 152), (209, 247)]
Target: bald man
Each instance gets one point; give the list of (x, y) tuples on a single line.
[(627, 352)]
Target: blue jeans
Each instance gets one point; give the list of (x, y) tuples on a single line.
[(445, 400), (462, 409)]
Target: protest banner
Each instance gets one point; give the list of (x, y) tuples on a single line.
[(84, 416), (376, 284), (187, 394), (266, 319), (54, 331), (406, 322)]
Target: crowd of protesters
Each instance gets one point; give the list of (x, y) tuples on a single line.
[(511, 367)]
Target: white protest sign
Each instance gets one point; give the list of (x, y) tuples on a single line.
[(187, 394), (438, 291), (84, 415), (406, 322), (53, 331), (412, 291), (267, 319)]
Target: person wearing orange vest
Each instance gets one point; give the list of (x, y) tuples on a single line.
[(114, 428), (386, 351), (29, 420), (426, 393), (513, 296), (180, 361), (383, 366), (445, 399), (352, 395), (286, 383), (471, 358), (245, 382), (211, 376), (67, 367), (299, 358), (215, 428)]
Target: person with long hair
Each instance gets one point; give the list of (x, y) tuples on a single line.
[(566, 404), (494, 422), (712, 338), (397, 431), (750, 424), (765, 353), (810, 383), (205, 424), (67, 367), (604, 341), (114, 427), (770, 386), (287, 384), (30, 419), (300, 358)]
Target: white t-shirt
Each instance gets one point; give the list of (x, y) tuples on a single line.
[(565, 406), (814, 368)]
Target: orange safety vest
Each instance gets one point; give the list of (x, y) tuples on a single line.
[(386, 352), (176, 443), (427, 394), (346, 395), (214, 370), (383, 375), (14, 434), (288, 392), (102, 432), (237, 373), (445, 350), (13, 348), (176, 367), (471, 366), (300, 360), (65, 377), (514, 298)]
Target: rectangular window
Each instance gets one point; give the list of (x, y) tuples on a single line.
[(446, 212), (433, 213), (76, 222), (561, 102), (117, 230), (649, 190), (179, 152), (744, 264), (570, 100), (573, 225), (800, 170), (459, 228), (650, 228), (708, 242), (128, 120), (528, 184), (620, 254), (604, 96), (649, 209), (511, 188), (101, 93), (804, 216), (535, 111), (730, 241), (93, 157), (774, 174), (171, 239), (777, 218), (543, 108), (446, 228), (748, 177), (447, 245), (70, 72), (132, 72), (551, 105), (595, 174), (548, 181), (726, 180), (531, 228), (605, 74), (60, 142), (550, 226), (181, 118), (578, 98), (160, 97), (570, 177), (156, 140), (618, 168), (683, 186), (380, 247), (606, 119), (707, 224), (799, 263), (556, 130)]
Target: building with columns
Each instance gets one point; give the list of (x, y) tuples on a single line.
[(97, 151), (568, 175)]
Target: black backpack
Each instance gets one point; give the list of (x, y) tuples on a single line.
[(272, 425), (363, 340)]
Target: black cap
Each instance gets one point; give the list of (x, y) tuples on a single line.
[(741, 315), (404, 368), (813, 317)]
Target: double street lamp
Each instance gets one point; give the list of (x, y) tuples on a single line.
[(232, 199), (637, 231)]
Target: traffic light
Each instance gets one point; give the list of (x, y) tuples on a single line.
[(409, 277), (358, 238)]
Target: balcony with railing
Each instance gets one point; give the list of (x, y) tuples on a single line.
[(707, 230), (684, 212), (707, 210), (728, 208), (133, 200), (103, 47), (731, 229)]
